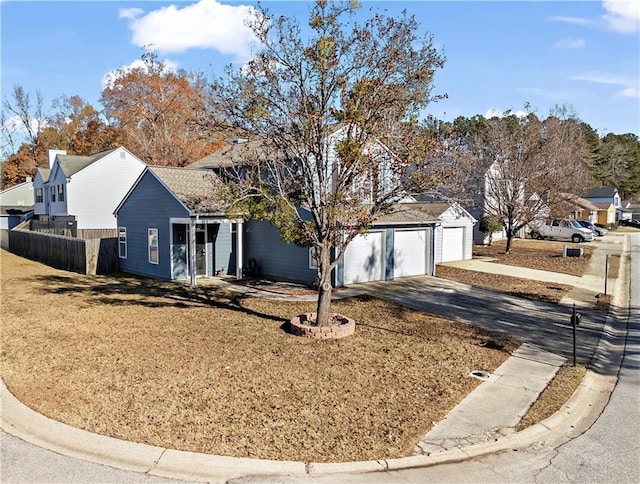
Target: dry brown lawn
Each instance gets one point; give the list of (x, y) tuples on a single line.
[(209, 371), (537, 254), (516, 286), (534, 254)]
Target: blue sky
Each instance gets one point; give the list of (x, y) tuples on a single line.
[(500, 55)]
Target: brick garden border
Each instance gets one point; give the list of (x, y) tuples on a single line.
[(342, 328)]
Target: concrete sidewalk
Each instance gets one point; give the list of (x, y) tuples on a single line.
[(495, 407)]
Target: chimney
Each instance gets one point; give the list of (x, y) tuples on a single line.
[(53, 154), (29, 179)]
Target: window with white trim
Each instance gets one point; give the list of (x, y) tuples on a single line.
[(61, 193), (312, 258), (52, 190), (122, 242), (39, 197), (153, 246)]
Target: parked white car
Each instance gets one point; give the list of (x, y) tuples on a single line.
[(561, 230)]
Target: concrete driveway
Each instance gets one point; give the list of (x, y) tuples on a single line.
[(543, 324)]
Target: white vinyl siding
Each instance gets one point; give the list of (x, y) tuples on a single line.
[(409, 253), (96, 191), (452, 244), (363, 259)]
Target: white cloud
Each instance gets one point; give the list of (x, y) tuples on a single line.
[(570, 43), (602, 78), (629, 92), (207, 24), (622, 15), (494, 113), (130, 13), (572, 20), (630, 86), (110, 77)]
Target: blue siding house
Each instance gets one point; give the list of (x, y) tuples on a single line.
[(409, 240), (172, 226)]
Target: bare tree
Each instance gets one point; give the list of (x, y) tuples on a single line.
[(326, 111), (23, 119), (517, 168)]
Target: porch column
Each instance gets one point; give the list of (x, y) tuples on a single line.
[(192, 253), (239, 250)]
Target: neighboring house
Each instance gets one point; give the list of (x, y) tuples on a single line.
[(40, 190), (172, 226), (608, 195), (16, 205), (579, 208), (495, 190), (634, 207), (606, 213), (408, 241), (85, 190)]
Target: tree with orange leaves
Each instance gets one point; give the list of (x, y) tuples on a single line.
[(160, 112)]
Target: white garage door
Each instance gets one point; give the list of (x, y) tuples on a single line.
[(409, 253), (363, 259), (452, 244)]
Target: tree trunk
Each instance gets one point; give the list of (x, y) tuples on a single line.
[(323, 311), (507, 250)]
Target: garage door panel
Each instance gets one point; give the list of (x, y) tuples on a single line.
[(363, 259), (409, 253), (452, 244)]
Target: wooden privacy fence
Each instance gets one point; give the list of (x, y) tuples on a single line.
[(86, 256)]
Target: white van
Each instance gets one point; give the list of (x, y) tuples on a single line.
[(561, 230)]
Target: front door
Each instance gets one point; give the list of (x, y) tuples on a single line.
[(201, 252)]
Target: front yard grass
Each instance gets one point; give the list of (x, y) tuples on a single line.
[(209, 371), (544, 255), (533, 254)]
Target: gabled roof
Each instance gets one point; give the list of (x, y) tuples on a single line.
[(44, 174), (578, 201), (234, 154), (72, 164), (197, 189), (416, 213), (603, 206), (602, 192)]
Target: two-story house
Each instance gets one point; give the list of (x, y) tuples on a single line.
[(609, 204), (85, 190), (164, 234)]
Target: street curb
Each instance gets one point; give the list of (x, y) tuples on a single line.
[(576, 416)]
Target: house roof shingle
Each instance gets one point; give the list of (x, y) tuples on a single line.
[(72, 164), (578, 201), (44, 173), (233, 154), (197, 189), (421, 212), (601, 192)]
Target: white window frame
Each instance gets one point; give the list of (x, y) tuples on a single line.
[(39, 195), (122, 242), (52, 191), (61, 193), (312, 262), (152, 243)]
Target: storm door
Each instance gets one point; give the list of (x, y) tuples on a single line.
[(201, 251)]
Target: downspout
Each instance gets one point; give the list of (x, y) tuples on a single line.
[(239, 247), (192, 253), (433, 248)]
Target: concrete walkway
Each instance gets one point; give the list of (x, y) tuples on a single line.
[(482, 423), (495, 407)]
